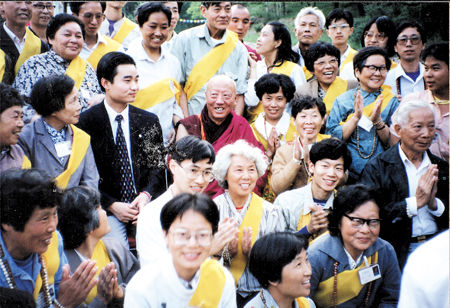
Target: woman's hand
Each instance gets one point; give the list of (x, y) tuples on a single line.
[(246, 241), (358, 105), (376, 113), (298, 149), (273, 143), (227, 232), (108, 287)]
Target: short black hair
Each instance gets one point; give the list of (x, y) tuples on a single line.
[(23, 191), (438, 50), (49, 94), (107, 66), (60, 20), (16, 298), (271, 253), (384, 25), (179, 205), (284, 51), (307, 102), (337, 14), (412, 24), (9, 97), (318, 50), (271, 83), (144, 11), (207, 4), (348, 199), (192, 147), (330, 148), (361, 57), (78, 215), (75, 6)]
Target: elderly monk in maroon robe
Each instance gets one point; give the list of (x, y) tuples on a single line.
[(219, 124)]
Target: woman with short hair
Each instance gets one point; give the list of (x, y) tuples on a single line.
[(52, 142), (352, 248)]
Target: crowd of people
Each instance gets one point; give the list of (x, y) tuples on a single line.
[(141, 167)]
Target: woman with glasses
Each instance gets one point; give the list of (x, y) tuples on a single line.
[(352, 266), (186, 277), (237, 168), (361, 116)]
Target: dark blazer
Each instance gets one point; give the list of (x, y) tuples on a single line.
[(387, 174), (7, 45), (147, 151)]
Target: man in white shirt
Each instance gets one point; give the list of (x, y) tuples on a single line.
[(407, 77), (412, 182)]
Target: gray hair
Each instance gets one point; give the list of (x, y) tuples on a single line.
[(402, 114), (239, 148), (310, 11)]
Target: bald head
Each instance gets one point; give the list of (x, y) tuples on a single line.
[(220, 97)]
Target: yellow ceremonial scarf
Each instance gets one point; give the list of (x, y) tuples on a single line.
[(351, 54), (51, 259), (348, 286), (308, 74), (393, 64), (287, 138), (125, 29), (157, 92), (2, 64), (210, 64), (80, 145), (252, 219), (302, 302), (77, 70), (210, 287), (367, 111), (101, 50), (337, 87), (100, 255), (32, 47), (26, 164)]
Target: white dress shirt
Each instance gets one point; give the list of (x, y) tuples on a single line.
[(134, 34), (407, 85), (17, 41), (86, 51)]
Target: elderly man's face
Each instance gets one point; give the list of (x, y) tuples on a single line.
[(217, 16), (42, 12), (11, 124), (416, 135), (16, 13), (220, 100), (308, 30)]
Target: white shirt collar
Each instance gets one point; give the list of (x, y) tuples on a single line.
[(282, 126), (112, 113), (399, 71), (100, 40), (310, 200), (13, 36), (425, 159), (351, 262), (138, 52)]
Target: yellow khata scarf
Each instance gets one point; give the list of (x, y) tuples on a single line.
[(157, 92), (125, 29), (100, 255), (209, 65), (32, 47), (337, 87), (77, 70), (101, 50), (348, 286), (302, 302), (51, 259), (367, 111), (350, 56), (308, 74), (393, 64), (2, 64), (252, 219), (26, 164), (210, 287), (287, 138), (80, 145)]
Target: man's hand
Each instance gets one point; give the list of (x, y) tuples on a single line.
[(74, 288), (318, 221), (123, 211), (107, 287), (425, 186), (227, 232)]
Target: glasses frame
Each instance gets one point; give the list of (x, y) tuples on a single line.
[(193, 177), (358, 220), (334, 27), (380, 36), (414, 39), (179, 241), (43, 6), (373, 69)]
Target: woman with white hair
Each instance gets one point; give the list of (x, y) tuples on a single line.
[(237, 168)]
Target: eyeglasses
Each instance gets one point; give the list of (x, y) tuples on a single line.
[(359, 222), (96, 16), (193, 172), (415, 39), (182, 237), (323, 63), (379, 36), (373, 69), (41, 6), (334, 27)]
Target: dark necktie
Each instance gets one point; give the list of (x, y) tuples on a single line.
[(126, 178)]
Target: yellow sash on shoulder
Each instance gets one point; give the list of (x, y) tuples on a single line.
[(348, 286), (101, 50), (80, 145), (337, 87), (252, 219), (210, 64), (351, 54), (302, 302), (308, 74), (367, 111), (210, 287), (51, 259), (287, 138), (286, 68), (393, 64), (32, 47), (2, 64), (125, 29), (26, 164), (77, 70), (157, 92), (100, 255)]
